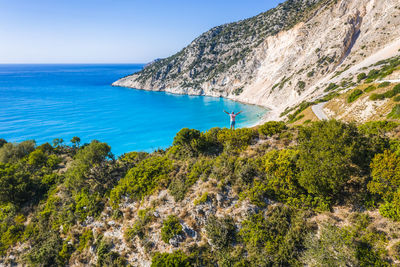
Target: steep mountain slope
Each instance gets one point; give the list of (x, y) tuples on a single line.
[(279, 58)]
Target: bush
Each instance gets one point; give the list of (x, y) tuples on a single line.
[(174, 259), (331, 86), (139, 228), (201, 200), (361, 77), (10, 152), (85, 239), (274, 239), (106, 257), (396, 89), (395, 113), (85, 159), (171, 227), (188, 139), (87, 204), (389, 94), (385, 173), (281, 172), (18, 186), (375, 97), (271, 128), (396, 98), (377, 127), (221, 232), (2, 142), (384, 84), (391, 209), (328, 150), (370, 89), (386, 182), (301, 85), (142, 179), (354, 95), (236, 140), (37, 158)]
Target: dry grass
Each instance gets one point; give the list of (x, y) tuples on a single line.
[(363, 109)]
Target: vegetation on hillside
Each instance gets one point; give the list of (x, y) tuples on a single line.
[(49, 195)]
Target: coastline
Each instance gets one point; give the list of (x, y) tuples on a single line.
[(266, 116)]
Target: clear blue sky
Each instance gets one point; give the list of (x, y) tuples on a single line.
[(99, 31)]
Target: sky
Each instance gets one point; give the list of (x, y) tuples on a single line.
[(111, 31)]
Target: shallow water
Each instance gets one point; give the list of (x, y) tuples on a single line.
[(44, 102)]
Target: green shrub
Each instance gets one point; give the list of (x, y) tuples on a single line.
[(10, 152), (85, 239), (396, 98), (2, 142), (139, 227), (274, 239), (391, 209), (301, 85), (377, 127), (271, 128), (395, 113), (188, 139), (361, 77), (384, 84), (396, 89), (142, 179), (370, 89), (171, 227), (87, 204), (375, 97), (257, 194), (389, 94), (107, 257), (354, 95), (331, 86), (396, 250), (85, 159), (201, 200), (46, 249), (17, 185), (281, 173), (386, 182), (236, 140), (174, 259), (37, 158), (221, 232), (328, 151)]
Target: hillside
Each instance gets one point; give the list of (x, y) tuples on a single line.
[(316, 195), (279, 58)]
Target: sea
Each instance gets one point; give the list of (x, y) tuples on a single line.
[(42, 102)]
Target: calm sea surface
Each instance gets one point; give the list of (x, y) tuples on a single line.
[(44, 102)]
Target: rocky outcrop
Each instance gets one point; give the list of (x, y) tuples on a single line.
[(279, 58)]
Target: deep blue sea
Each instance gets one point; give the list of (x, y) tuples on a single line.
[(43, 102)]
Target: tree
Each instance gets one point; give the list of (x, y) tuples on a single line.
[(10, 152), (328, 153), (57, 142), (2, 142), (75, 141)]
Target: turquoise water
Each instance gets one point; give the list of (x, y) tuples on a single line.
[(44, 102)]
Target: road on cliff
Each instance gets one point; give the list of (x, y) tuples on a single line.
[(319, 111)]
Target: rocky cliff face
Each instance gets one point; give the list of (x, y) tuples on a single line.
[(281, 57)]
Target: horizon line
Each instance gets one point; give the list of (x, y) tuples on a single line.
[(71, 63)]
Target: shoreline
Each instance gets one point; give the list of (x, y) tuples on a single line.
[(261, 120)]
